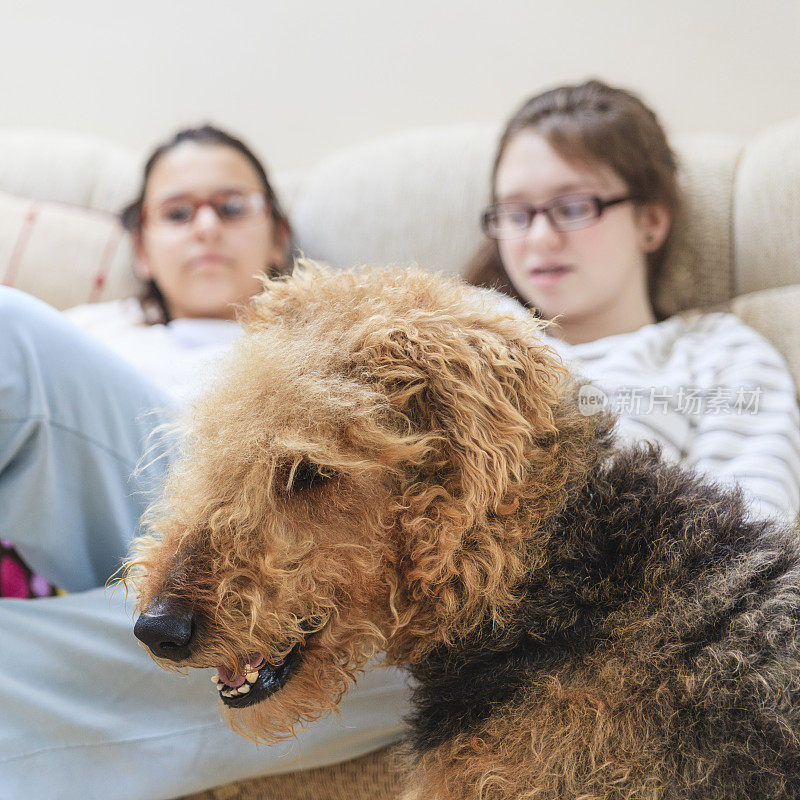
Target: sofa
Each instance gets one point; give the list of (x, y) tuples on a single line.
[(411, 198)]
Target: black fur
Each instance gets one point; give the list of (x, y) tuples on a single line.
[(704, 590)]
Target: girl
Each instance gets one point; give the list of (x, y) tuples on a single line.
[(196, 272), (205, 224), (85, 712), (584, 191)]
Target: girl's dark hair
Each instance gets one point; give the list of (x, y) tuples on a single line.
[(153, 303), (595, 124)]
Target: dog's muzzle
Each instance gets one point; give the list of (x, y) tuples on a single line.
[(167, 630)]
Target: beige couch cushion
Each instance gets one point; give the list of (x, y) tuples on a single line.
[(412, 198), (698, 267), (767, 210), (774, 314), (70, 168), (65, 255)]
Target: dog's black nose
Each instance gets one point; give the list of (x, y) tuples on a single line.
[(167, 630)]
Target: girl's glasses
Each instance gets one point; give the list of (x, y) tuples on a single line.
[(568, 213), (229, 206)]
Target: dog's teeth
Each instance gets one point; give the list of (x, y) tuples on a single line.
[(215, 679), (251, 677), (244, 688)]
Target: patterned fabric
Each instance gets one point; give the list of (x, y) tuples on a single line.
[(17, 579), (376, 776), (40, 242)]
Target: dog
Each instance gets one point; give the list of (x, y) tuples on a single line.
[(393, 464)]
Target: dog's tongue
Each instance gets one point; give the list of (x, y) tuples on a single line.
[(236, 679), (232, 679)]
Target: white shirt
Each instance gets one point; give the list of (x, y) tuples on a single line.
[(181, 357)]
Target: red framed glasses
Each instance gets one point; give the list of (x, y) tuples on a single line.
[(229, 206)]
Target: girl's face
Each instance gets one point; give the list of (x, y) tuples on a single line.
[(592, 278), (205, 267)]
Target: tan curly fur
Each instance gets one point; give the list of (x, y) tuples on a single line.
[(455, 511)]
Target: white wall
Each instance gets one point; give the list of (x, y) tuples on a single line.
[(300, 78)]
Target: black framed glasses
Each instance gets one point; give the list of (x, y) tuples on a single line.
[(229, 206), (567, 213)]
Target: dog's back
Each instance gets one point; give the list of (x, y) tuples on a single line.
[(655, 655)]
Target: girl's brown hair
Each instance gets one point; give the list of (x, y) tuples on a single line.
[(152, 301), (596, 124)]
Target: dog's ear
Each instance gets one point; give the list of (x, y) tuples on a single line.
[(486, 401)]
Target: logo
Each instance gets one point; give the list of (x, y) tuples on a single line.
[(591, 400)]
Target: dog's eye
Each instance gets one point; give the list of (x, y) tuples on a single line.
[(307, 475)]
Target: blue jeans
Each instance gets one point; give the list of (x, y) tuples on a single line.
[(84, 712)]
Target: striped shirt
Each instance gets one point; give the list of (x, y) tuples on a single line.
[(711, 391)]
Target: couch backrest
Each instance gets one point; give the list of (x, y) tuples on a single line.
[(766, 206), (414, 197)]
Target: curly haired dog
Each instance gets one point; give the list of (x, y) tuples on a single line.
[(392, 464)]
